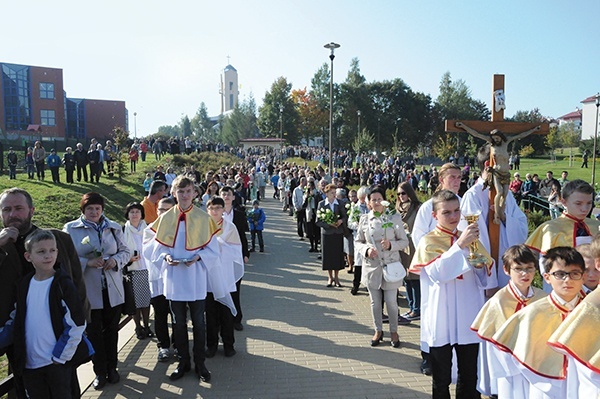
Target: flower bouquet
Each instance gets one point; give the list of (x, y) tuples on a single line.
[(326, 215), (354, 213)]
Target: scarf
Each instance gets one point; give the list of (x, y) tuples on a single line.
[(131, 236)]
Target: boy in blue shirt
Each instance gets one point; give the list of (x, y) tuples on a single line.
[(256, 219)]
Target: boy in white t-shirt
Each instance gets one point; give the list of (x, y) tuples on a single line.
[(47, 326)]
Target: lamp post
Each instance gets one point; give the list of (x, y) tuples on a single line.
[(331, 46), (281, 130), (135, 125), (358, 114), (595, 145), (281, 122)]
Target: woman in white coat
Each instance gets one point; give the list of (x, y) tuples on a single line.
[(380, 238), (103, 253)]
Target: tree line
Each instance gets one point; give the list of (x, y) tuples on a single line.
[(383, 116)]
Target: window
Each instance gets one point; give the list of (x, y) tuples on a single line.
[(230, 86), (47, 90), (48, 117), (15, 83)]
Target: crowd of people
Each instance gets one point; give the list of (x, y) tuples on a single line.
[(470, 306), (183, 247)]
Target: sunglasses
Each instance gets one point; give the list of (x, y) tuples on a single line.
[(401, 193)]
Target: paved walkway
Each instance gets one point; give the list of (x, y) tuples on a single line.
[(301, 339)]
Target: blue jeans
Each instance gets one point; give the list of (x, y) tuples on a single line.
[(413, 294), (179, 315)]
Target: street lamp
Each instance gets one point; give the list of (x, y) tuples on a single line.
[(281, 130), (358, 114), (595, 144), (331, 46), (281, 122), (135, 124)]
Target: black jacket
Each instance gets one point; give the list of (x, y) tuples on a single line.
[(64, 304)]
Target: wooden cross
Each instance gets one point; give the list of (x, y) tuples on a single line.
[(506, 127)]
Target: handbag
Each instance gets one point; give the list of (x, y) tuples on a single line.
[(128, 308), (394, 272)]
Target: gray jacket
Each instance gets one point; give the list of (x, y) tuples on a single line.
[(112, 246), (368, 235)]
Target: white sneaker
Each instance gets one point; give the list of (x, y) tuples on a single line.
[(163, 354)]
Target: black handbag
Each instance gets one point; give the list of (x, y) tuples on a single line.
[(128, 308)]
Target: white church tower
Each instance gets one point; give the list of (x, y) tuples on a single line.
[(229, 89)]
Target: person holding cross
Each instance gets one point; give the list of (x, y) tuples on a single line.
[(498, 170)]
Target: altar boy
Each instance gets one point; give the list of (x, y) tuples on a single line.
[(537, 370), (452, 293), (519, 265), (575, 337)]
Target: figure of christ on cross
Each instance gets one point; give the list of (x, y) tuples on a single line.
[(499, 172)]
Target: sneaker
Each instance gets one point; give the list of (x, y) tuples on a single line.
[(406, 314), (163, 354), (403, 320), (413, 316)]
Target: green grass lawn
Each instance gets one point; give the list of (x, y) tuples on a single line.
[(56, 204)]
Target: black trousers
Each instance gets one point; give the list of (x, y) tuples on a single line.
[(219, 320), (301, 221), (55, 171), (161, 324), (236, 301), (182, 342), (52, 381), (357, 276), (82, 170), (261, 243), (69, 175), (441, 368), (103, 333)]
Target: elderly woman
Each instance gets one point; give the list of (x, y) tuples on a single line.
[(311, 200), (103, 253), (133, 232), (332, 234), (380, 245)]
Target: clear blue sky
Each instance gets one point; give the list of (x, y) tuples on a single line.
[(165, 58)]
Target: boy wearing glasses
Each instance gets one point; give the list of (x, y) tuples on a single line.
[(573, 227), (519, 265), (534, 368), (575, 337)]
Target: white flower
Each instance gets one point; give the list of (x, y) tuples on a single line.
[(86, 240), (347, 206), (385, 203)]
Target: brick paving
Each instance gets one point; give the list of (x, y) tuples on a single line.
[(301, 339)]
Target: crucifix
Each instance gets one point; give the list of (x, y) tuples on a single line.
[(498, 133)]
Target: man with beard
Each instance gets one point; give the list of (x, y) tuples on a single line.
[(17, 209)]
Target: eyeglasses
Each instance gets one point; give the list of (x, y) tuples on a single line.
[(401, 193), (521, 270), (576, 275)]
